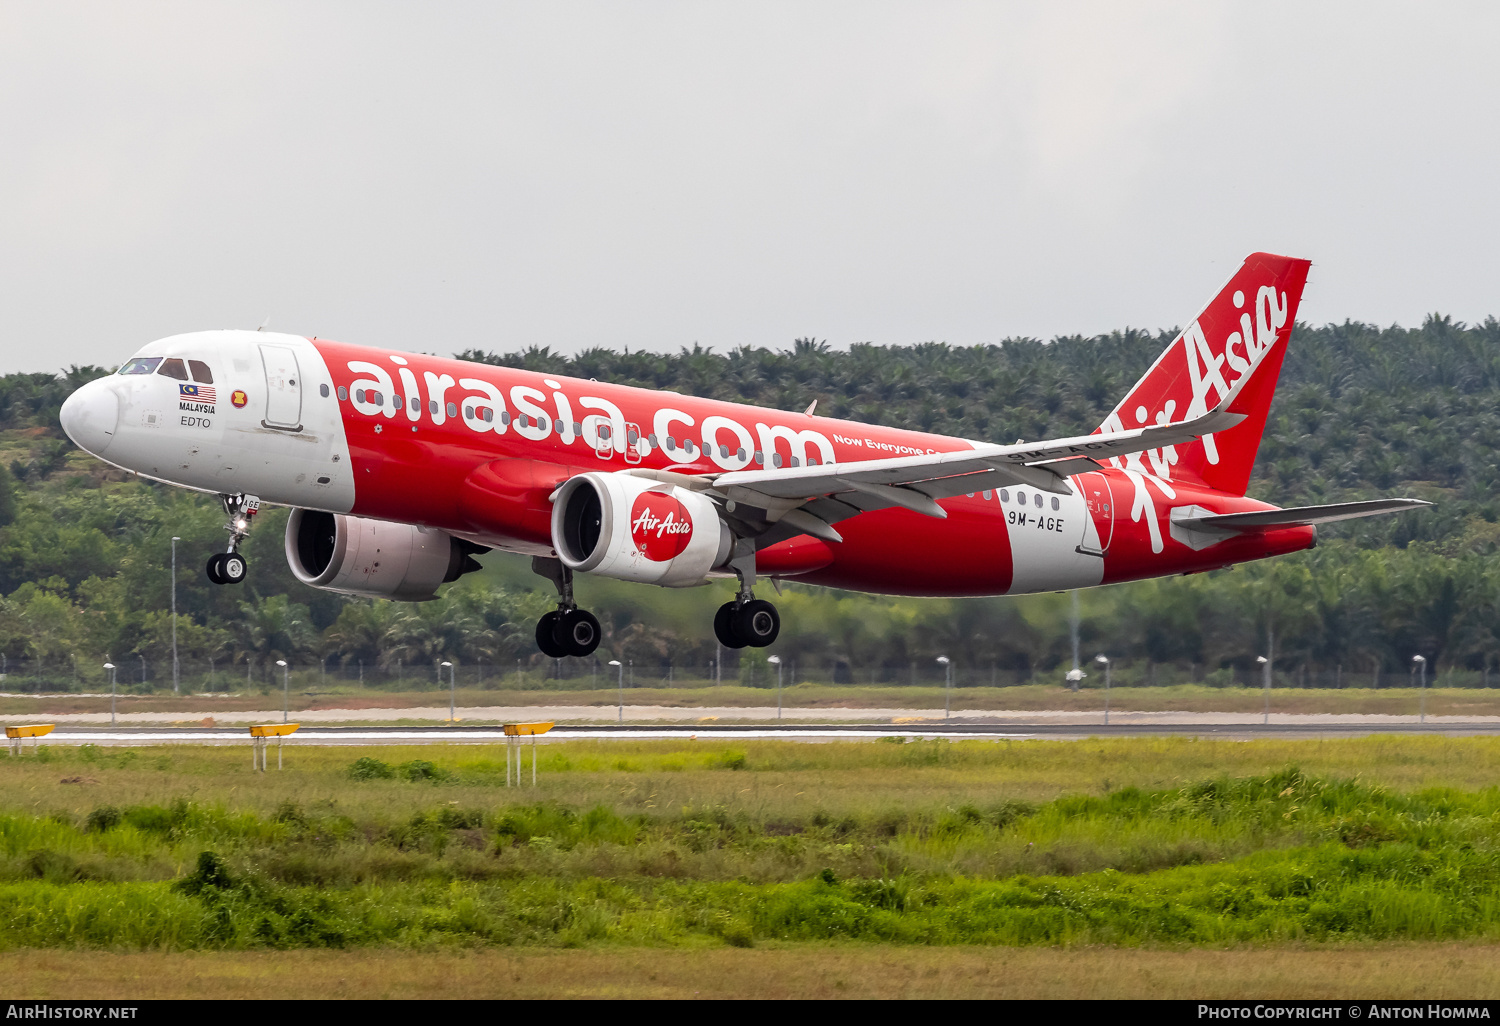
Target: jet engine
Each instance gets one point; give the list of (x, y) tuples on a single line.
[(636, 529), (375, 558)]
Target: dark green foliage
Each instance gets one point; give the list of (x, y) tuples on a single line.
[(7, 496), (211, 873), (103, 818), (369, 768), (421, 769)]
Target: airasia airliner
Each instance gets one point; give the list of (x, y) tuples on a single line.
[(401, 467)]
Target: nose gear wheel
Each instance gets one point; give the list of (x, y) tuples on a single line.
[(230, 567)]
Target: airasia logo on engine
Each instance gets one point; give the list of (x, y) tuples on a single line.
[(660, 526)]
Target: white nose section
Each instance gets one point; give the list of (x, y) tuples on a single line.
[(90, 416)]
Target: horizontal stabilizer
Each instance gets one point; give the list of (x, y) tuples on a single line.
[(1301, 516)]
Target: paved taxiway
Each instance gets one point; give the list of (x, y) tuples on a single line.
[(475, 734)]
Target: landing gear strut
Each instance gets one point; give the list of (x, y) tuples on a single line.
[(747, 621), (230, 567), (569, 631)]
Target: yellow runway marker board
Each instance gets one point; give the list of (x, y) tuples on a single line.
[(527, 729), (262, 734), (19, 734), (514, 732)]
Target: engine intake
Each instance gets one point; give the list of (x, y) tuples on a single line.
[(635, 529), (376, 558)]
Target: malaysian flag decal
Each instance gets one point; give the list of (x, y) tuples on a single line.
[(196, 393)]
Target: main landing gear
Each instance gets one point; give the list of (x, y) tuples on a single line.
[(747, 621), (230, 567), (569, 631)]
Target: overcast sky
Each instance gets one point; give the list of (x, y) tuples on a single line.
[(439, 176)]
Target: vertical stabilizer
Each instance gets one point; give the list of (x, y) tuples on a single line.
[(1242, 334)]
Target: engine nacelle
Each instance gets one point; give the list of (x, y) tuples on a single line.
[(375, 558), (636, 529)]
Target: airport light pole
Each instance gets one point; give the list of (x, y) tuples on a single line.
[(616, 662), (1265, 685), (451, 687), (1103, 660), (947, 665), (776, 662), (1421, 664), (285, 688), (111, 668), (175, 666)]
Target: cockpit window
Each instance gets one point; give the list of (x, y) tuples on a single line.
[(201, 373), (141, 365), (173, 369)]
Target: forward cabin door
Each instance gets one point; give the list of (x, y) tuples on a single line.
[(1100, 500), (283, 388)]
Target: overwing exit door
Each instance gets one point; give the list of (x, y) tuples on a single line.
[(283, 388)]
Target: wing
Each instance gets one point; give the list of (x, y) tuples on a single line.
[(807, 500)]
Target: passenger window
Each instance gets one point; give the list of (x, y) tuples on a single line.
[(201, 373), (1037, 500), (173, 369), (343, 393), (141, 365), (323, 391), (452, 410)]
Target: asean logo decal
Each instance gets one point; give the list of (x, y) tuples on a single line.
[(660, 526), (239, 398)]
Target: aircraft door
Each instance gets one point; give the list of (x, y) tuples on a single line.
[(283, 388), (604, 443), (1099, 498), (632, 443)]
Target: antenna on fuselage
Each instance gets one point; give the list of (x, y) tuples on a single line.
[(264, 323)]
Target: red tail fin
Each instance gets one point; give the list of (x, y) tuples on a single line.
[(1243, 332)]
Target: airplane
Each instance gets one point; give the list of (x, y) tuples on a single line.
[(400, 468)]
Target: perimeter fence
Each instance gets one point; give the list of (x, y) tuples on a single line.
[(137, 675)]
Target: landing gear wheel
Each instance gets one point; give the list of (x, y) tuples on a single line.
[(214, 573), (577, 630), (757, 622), (724, 628), (232, 568), (546, 636)]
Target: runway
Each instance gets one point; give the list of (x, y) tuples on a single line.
[(491, 734)]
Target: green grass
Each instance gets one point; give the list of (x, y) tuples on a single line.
[(1123, 842)]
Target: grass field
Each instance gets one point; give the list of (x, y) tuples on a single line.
[(1368, 971), (1029, 697), (829, 862)]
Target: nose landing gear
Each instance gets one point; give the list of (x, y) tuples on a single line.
[(569, 631), (230, 567)]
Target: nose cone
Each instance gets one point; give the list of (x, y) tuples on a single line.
[(90, 416)]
